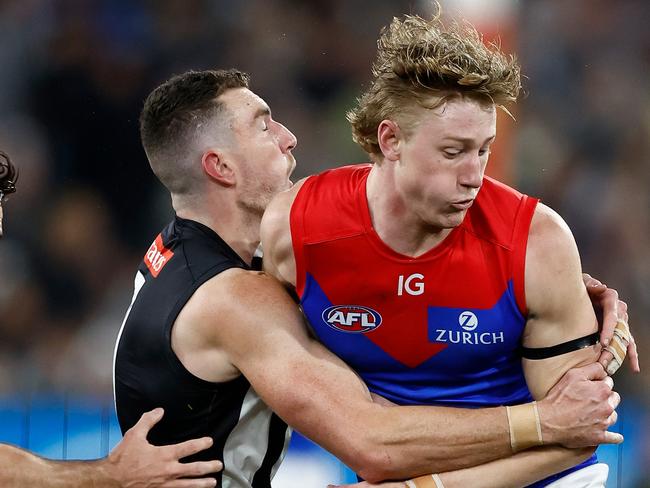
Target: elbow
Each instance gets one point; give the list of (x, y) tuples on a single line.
[(375, 465)]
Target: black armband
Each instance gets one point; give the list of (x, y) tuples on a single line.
[(552, 351)]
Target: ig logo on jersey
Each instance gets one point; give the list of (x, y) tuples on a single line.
[(468, 320), (351, 318)]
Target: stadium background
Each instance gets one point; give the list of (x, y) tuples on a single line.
[(74, 73)]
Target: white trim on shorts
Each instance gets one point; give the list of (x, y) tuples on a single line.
[(594, 476)]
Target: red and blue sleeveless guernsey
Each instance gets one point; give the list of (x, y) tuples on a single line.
[(440, 329)]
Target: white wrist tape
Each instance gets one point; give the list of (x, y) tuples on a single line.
[(427, 481), (525, 427)]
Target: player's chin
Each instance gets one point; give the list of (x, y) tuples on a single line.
[(454, 218), (282, 187)]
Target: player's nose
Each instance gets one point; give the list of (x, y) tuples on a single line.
[(471, 172), (287, 139)]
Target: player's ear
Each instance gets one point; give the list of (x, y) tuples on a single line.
[(216, 165), (389, 138)]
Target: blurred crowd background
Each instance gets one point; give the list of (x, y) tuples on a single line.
[(74, 74)]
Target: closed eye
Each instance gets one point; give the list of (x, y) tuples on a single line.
[(451, 153)]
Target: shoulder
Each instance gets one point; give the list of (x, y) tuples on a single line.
[(237, 291), (235, 300), (550, 236), (553, 269)]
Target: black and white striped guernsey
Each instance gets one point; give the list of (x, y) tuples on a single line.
[(249, 438)]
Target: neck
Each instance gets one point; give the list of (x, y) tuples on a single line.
[(237, 227), (397, 225)]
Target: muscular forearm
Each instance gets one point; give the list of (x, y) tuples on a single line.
[(19, 469), (404, 442), (521, 469), (413, 440)]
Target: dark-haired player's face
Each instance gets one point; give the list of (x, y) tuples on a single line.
[(261, 150)]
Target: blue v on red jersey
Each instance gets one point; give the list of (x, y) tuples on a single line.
[(443, 328)]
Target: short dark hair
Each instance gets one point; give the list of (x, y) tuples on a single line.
[(171, 114), (8, 174)]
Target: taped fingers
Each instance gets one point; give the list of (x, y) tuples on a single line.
[(618, 346)]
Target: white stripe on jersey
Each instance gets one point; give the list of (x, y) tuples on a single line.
[(246, 446), (138, 283)]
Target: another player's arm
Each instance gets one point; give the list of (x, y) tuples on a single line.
[(559, 309), (133, 462), (521, 469), (248, 319)]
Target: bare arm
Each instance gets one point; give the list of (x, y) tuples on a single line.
[(132, 463), (559, 306), (521, 469)]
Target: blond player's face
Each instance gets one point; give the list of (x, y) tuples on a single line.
[(261, 152), (442, 162)]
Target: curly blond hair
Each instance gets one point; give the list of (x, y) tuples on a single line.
[(424, 63)]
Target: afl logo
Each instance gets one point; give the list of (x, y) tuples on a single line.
[(468, 320), (351, 318)]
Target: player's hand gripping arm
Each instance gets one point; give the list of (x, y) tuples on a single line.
[(133, 463), (613, 311)]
